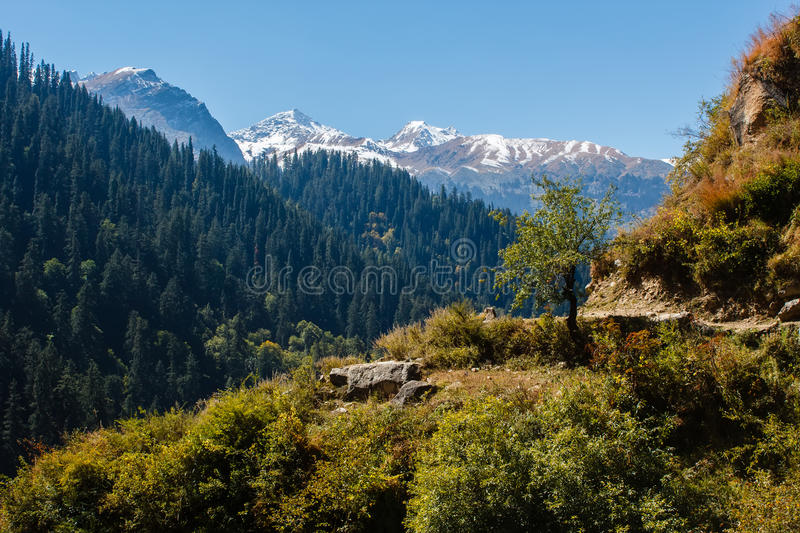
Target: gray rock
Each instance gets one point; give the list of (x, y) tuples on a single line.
[(683, 318), (338, 376), (790, 311), (384, 378), (754, 99), (412, 391)]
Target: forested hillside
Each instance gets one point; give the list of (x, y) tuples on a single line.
[(387, 210), (126, 266), (631, 422)]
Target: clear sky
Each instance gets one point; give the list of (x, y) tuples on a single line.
[(624, 73)]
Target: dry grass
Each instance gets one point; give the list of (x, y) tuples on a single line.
[(768, 45), (326, 364), (529, 385)]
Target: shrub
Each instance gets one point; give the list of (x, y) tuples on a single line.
[(545, 340), (664, 247), (786, 265), (765, 505), (715, 389), (326, 364), (359, 480), (576, 463), (456, 337), (772, 194), (731, 257), (784, 347), (403, 343)]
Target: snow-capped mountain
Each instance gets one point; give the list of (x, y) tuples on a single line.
[(417, 134), (488, 166), (293, 130), (140, 93)]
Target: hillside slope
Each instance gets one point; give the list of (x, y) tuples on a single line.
[(141, 94), (725, 244), (136, 275)]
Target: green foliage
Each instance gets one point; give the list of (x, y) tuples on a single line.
[(541, 341), (666, 248), (456, 337), (772, 194), (567, 231), (766, 505), (717, 389), (573, 464), (678, 248), (784, 347), (730, 252)]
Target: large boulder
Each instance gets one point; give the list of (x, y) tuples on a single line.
[(412, 391), (384, 378), (754, 100)]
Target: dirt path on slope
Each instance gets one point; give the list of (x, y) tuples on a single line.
[(612, 297)]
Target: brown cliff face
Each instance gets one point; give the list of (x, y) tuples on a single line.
[(754, 101)]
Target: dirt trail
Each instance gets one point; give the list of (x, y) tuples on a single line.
[(613, 297), (754, 324)]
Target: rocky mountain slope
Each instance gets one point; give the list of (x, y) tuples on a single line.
[(140, 93), (726, 244), (492, 167)]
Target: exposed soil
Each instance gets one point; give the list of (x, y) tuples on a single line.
[(614, 296)]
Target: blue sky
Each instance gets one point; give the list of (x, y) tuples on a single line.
[(624, 74)]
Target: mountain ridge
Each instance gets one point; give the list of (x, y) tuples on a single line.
[(490, 166), (142, 94)]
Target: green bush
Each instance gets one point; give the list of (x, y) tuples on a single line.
[(716, 390), (456, 337), (772, 195), (784, 347), (665, 247), (545, 340), (574, 464), (733, 258), (765, 505)]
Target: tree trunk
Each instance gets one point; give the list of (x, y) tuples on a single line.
[(569, 294)]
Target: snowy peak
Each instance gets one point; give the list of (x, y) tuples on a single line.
[(141, 94), (292, 124), (418, 134), (488, 166), (287, 131), (125, 79)]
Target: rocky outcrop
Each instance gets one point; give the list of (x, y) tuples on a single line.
[(413, 391), (790, 311), (749, 112), (383, 378)]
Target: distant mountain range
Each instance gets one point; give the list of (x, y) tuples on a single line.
[(492, 167), (140, 93), (488, 166)]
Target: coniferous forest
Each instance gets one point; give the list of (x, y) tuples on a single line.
[(191, 345), (124, 260)]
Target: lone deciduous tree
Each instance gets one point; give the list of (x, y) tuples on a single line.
[(568, 230)]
